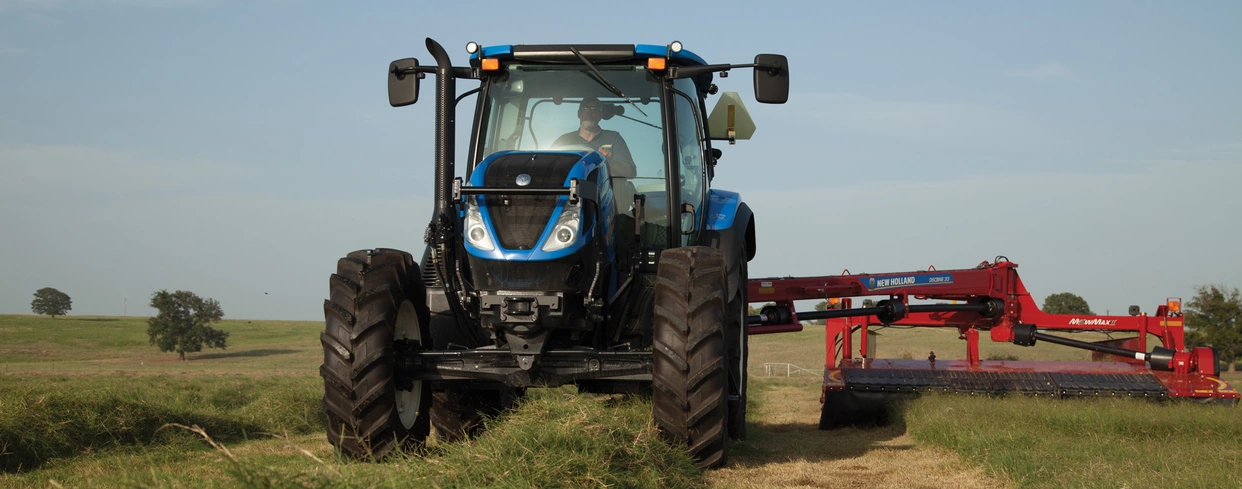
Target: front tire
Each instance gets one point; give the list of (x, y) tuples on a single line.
[(377, 309), (690, 383), (739, 353)]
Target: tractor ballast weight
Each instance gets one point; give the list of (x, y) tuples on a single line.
[(991, 299), (557, 260)]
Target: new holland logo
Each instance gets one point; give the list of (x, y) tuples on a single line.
[(901, 281), (523, 180)]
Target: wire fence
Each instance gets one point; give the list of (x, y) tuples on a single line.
[(774, 369)]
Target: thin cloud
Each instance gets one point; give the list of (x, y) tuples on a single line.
[(1048, 71), (934, 124), (33, 173), (64, 4)]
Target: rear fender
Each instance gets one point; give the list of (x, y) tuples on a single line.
[(731, 229)]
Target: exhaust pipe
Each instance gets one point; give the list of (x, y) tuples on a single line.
[(446, 92)]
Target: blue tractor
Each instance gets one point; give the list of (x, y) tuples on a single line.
[(567, 252)]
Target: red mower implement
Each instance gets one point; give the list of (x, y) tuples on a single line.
[(992, 300)]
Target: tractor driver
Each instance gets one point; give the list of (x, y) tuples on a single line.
[(609, 143)]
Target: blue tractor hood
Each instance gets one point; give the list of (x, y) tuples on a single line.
[(520, 226)]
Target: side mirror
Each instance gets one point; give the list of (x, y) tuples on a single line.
[(771, 83), (688, 224), (611, 110), (403, 85)]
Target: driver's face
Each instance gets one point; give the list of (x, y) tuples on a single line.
[(590, 111)]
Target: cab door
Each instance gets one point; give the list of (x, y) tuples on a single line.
[(690, 140)]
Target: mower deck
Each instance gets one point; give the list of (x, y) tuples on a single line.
[(1053, 379)]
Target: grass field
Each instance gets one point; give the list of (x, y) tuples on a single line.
[(88, 402)]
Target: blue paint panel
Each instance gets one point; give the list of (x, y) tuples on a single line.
[(654, 51), (886, 282), (722, 208), (504, 51), (580, 170)]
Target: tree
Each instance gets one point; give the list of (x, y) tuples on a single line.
[(1214, 318), (754, 311), (182, 322), (51, 302), (825, 305), (1066, 303)]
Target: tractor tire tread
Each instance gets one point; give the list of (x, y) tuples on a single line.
[(360, 317), (690, 382)]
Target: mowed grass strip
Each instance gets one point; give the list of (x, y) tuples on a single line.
[(555, 438), (1086, 442), (785, 448), (43, 418)]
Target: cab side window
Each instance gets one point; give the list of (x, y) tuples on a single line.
[(690, 146)]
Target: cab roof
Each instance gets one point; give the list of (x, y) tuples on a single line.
[(599, 53)]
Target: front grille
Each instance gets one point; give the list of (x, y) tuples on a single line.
[(520, 220), (565, 274)]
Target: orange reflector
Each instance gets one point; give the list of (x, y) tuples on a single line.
[(491, 64), (656, 63)]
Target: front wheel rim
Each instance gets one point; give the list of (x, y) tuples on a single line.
[(408, 328)]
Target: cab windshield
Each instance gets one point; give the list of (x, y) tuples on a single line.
[(536, 107)]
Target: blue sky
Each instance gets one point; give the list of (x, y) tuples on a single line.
[(237, 149)]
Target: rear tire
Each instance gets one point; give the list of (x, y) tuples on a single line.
[(690, 384), (376, 299), (739, 351)]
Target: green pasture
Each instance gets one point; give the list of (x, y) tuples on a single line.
[(87, 402), (94, 345)]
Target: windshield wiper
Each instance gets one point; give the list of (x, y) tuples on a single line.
[(604, 80)]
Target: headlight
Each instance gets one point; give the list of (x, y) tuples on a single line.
[(476, 232), (566, 230)]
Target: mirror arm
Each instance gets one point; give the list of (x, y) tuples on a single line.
[(422, 71), (466, 72), (464, 95), (678, 72)]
